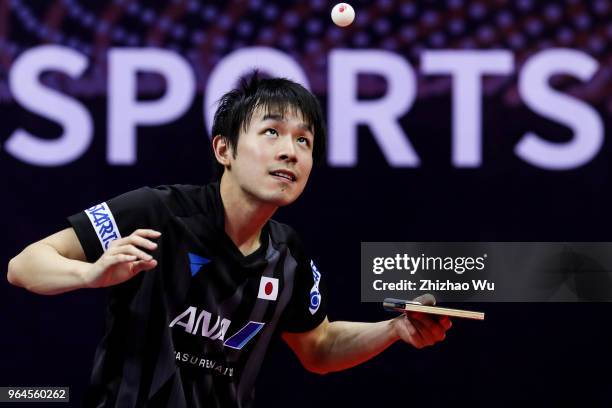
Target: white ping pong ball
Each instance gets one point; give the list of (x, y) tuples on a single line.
[(342, 14)]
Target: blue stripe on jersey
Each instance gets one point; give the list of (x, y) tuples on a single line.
[(242, 337), (196, 262)]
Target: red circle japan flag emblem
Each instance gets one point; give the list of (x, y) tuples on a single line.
[(268, 288)]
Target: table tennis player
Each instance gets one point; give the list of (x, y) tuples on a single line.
[(201, 278)]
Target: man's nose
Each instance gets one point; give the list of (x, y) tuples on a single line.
[(287, 151)]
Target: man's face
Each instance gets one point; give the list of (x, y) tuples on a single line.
[(273, 157)]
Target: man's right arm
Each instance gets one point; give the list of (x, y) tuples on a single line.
[(57, 264)]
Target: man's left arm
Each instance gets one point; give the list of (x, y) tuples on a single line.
[(334, 346)]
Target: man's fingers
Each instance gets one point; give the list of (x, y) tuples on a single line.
[(429, 338), (147, 233), (426, 299), (119, 258), (113, 260), (412, 333), (445, 321), (142, 242), (143, 266), (435, 328), (429, 327), (138, 237), (131, 250)]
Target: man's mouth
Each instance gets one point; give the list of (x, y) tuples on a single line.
[(285, 174)]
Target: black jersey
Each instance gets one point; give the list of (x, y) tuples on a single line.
[(193, 332)]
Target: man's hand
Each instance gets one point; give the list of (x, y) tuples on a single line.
[(421, 329), (123, 259)]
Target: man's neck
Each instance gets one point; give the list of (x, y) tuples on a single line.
[(245, 217)]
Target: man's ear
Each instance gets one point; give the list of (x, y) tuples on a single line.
[(222, 150)]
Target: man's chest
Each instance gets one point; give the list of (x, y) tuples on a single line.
[(224, 303)]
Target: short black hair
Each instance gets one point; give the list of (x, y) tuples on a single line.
[(275, 96)]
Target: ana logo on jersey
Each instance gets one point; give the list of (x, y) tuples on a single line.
[(315, 295), (268, 288), (244, 335), (188, 320)]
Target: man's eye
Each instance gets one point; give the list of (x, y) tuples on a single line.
[(271, 132)]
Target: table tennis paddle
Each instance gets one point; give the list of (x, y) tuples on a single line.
[(402, 306)]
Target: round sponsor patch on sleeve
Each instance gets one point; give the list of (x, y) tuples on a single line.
[(315, 295)]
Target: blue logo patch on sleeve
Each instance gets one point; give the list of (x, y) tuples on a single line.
[(104, 224), (315, 295)]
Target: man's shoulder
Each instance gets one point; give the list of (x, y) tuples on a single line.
[(177, 189), (185, 199)]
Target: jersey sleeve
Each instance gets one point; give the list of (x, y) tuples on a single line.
[(308, 305), (97, 226)]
